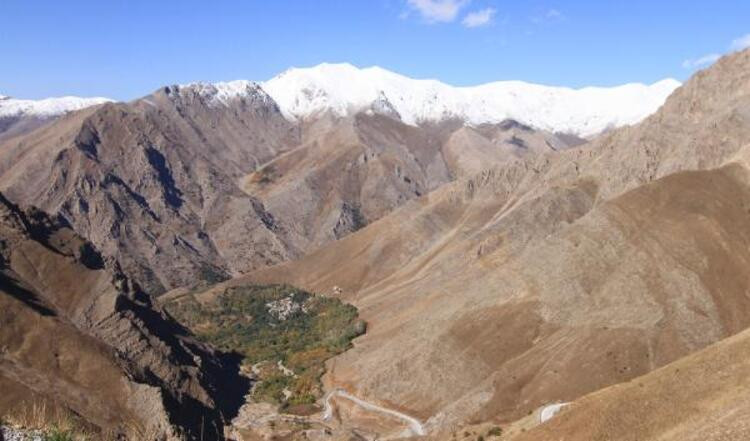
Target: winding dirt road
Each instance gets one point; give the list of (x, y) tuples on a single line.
[(415, 426)]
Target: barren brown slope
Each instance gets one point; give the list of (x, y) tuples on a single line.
[(536, 282), (470, 150), (77, 335), (18, 125), (631, 285), (185, 186), (702, 397), (350, 172), (153, 182)]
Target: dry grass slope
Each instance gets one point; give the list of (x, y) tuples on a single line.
[(702, 397)]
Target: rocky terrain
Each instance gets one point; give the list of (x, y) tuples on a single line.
[(189, 186), (143, 182), (78, 336)]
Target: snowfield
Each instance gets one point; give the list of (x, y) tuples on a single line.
[(343, 89)]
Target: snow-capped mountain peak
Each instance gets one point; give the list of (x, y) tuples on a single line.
[(344, 89), (45, 108), (222, 93)]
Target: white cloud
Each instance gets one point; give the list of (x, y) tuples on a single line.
[(438, 11), (701, 62), (737, 44), (479, 18), (550, 15), (740, 43)]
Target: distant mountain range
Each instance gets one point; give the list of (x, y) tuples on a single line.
[(48, 107), (19, 116), (308, 157), (343, 90)]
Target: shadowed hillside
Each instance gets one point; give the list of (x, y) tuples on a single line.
[(77, 336)]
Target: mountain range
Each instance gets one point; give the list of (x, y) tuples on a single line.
[(510, 246), (227, 180), (19, 116), (343, 90)]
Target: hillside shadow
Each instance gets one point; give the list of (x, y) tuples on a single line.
[(11, 287)]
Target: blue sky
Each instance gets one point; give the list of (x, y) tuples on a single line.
[(125, 49)]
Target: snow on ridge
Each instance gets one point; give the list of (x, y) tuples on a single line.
[(344, 89), (222, 93), (46, 108)]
